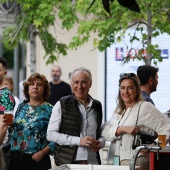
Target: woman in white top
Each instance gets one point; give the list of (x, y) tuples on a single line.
[(123, 124)]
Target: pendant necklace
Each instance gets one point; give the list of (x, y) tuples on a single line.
[(35, 106)]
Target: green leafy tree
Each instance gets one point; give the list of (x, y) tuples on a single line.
[(33, 19), (36, 16), (111, 25)]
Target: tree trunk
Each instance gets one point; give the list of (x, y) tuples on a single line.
[(32, 49), (149, 27)]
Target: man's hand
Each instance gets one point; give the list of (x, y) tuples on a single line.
[(87, 141), (93, 144), (96, 147)]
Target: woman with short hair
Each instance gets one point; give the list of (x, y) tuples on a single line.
[(29, 147)]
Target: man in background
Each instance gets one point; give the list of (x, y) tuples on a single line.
[(58, 87), (148, 76)]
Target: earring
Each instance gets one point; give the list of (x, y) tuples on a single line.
[(4, 76)]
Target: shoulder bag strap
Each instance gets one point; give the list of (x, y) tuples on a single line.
[(138, 114)]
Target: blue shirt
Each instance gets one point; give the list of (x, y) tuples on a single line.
[(30, 127), (147, 97)]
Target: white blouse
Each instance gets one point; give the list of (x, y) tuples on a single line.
[(149, 116)]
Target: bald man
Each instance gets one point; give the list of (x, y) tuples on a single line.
[(58, 87)]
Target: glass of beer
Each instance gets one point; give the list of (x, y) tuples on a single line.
[(8, 116), (162, 140)]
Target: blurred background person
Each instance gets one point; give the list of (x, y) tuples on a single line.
[(148, 76), (29, 146), (131, 114), (7, 101), (21, 94), (58, 87), (8, 82), (3, 130)]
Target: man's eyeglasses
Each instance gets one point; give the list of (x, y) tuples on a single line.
[(127, 75)]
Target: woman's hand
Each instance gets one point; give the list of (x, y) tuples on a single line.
[(38, 156), (131, 130)]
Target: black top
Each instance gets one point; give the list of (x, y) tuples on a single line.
[(57, 91)]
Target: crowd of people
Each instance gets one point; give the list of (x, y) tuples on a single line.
[(64, 121)]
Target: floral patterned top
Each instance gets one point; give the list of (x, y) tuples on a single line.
[(7, 101), (30, 127)]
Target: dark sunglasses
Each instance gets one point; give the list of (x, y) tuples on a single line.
[(127, 75)]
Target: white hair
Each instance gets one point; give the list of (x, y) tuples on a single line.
[(81, 69)]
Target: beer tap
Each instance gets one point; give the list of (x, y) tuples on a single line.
[(156, 147)]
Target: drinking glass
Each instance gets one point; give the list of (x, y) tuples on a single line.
[(8, 116), (162, 140)]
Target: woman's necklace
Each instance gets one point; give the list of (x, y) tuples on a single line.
[(125, 115), (35, 106)]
